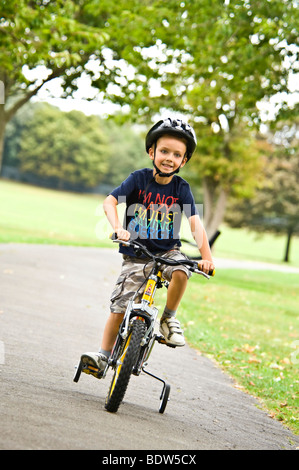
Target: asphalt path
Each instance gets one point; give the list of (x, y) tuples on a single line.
[(53, 305)]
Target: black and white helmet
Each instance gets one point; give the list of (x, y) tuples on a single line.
[(175, 127)]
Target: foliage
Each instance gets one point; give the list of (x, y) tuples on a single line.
[(213, 61), (274, 207), (61, 147), (63, 36), (217, 61), (126, 150), (68, 39), (38, 33), (13, 134), (228, 167), (67, 147)]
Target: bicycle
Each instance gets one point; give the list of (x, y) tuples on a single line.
[(136, 336)]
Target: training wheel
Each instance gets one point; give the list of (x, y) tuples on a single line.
[(164, 398), (78, 372)]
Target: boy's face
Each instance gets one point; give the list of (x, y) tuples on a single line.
[(170, 154)]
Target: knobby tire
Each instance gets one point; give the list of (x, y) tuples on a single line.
[(128, 357)]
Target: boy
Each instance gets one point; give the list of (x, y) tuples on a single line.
[(155, 200)]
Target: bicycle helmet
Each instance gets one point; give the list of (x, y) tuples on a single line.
[(175, 127)]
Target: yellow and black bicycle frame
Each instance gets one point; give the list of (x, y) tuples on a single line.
[(150, 288)]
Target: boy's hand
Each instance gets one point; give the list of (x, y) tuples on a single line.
[(122, 234), (206, 266)]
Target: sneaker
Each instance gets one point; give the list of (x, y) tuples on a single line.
[(171, 330), (94, 364)]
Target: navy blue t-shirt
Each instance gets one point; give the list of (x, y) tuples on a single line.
[(154, 211)]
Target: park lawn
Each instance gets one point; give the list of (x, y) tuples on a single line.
[(246, 321), (30, 214), (249, 245)]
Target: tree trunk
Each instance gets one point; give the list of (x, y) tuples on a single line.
[(287, 250), (215, 201), (2, 133)]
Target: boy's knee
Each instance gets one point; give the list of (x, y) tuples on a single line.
[(179, 276)]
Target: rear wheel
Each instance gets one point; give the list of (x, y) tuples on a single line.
[(128, 356)]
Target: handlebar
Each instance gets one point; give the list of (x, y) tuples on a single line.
[(141, 249)]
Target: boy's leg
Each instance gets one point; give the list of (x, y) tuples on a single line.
[(169, 325), (130, 279), (98, 361), (176, 289), (110, 331)]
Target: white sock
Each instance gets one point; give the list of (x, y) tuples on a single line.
[(168, 313), (106, 353)]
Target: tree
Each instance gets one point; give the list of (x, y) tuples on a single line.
[(126, 150), (229, 167), (217, 61), (13, 135), (64, 147), (213, 60), (274, 206), (63, 37), (238, 63), (72, 148)]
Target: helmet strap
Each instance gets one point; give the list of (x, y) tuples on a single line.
[(159, 172)]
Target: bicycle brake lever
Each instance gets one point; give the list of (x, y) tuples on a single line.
[(113, 237), (211, 273), (207, 276)]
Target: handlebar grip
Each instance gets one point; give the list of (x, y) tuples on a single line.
[(113, 236), (210, 273)]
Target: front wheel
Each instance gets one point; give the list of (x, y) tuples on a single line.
[(128, 355)]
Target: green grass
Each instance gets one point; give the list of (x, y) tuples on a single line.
[(246, 321), (29, 214), (248, 245), (234, 243)]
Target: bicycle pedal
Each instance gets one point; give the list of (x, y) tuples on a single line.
[(162, 340), (88, 369)]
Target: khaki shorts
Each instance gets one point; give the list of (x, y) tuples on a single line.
[(132, 277)]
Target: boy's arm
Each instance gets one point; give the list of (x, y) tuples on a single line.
[(201, 239), (110, 209)]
